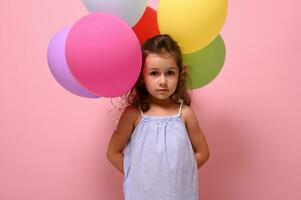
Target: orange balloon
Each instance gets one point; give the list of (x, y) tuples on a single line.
[(147, 26)]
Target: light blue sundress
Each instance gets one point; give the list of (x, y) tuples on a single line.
[(159, 161)]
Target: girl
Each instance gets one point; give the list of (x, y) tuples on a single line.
[(158, 144)]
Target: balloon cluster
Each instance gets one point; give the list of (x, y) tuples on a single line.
[(100, 55)]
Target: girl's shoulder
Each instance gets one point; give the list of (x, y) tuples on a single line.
[(187, 113), (131, 113)]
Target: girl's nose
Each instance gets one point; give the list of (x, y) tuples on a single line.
[(163, 80)]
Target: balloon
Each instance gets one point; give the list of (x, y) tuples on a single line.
[(205, 64), (128, 10), (147, 26), (58, 65), (103, 54), (153, 4), (194, 24)]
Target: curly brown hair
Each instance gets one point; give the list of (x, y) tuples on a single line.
[(160, 44)]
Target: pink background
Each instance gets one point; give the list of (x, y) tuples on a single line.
[(53, 143)]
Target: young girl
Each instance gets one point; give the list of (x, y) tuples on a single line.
[(158, 144)]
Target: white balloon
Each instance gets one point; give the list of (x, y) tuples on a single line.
[(153, 4), (129, 11)]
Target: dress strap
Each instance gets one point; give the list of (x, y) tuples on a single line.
[(180, 110), (140, 110)]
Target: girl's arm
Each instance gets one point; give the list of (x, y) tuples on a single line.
[(120, 137), (196, 136)]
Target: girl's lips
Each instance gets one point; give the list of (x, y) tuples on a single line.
[(163, 91)]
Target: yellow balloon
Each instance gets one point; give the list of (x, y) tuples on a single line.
[(193, 23)]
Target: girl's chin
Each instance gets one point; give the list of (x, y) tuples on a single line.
[(161, 98)]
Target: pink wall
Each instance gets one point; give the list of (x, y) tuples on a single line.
[(53, 143)]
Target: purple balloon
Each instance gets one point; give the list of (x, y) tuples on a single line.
[(59, 67)]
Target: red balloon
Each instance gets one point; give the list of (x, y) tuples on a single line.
[(147, 26)]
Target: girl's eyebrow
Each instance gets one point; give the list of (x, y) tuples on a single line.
[(154, 68)]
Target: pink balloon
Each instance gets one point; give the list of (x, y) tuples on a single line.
[(103, 54)]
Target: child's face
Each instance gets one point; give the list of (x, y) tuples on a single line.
[(160, 75)]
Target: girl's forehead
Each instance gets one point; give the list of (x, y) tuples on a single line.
[(163, 55), (160, 61)]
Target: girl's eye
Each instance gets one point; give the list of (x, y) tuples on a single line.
[(170, 72), (153, 73)]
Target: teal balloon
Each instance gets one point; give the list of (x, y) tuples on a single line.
[(129, 11), (204, 65)]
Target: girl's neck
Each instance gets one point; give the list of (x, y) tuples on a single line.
[(160, 102)]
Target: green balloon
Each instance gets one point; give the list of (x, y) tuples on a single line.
[(204, 65)]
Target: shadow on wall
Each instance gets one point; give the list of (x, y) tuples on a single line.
[(229, 159)]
